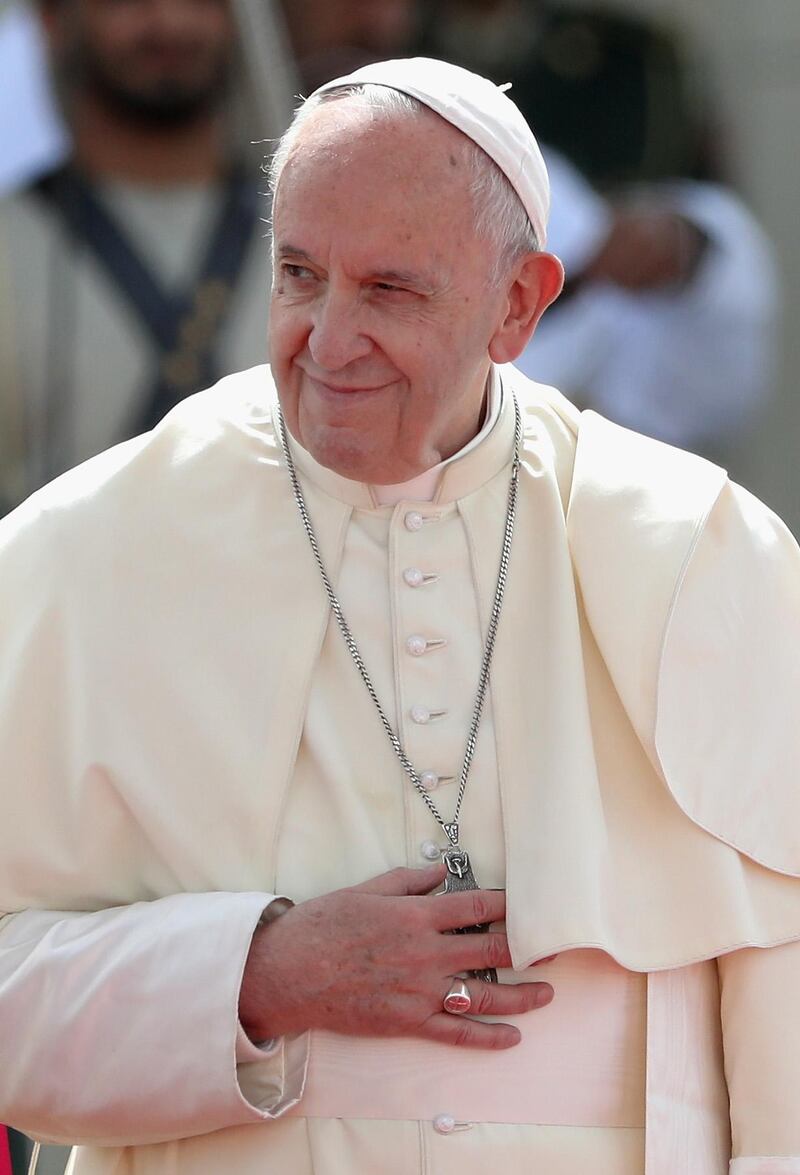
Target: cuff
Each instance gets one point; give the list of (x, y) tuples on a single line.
[(766, 1165), (248, 1051), (271, 1074), (275, 1082)]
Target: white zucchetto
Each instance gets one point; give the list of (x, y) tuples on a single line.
[(480, 110)]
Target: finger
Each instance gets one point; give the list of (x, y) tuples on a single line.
[(473, 952), (404, 882), (466, 1033), (507, 999), (452, 911)]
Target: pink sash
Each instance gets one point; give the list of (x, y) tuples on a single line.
[(580, 1063)]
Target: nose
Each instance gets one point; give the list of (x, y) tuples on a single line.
[(336, 338)]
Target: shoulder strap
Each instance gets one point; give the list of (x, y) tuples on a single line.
[(183, 326)]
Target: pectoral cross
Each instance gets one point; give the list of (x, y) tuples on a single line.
[(459, 878)]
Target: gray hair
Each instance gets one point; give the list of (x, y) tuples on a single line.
[(500, 215)]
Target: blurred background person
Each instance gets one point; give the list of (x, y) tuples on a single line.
[(332, 39), (668, 321), (137, 271), (610, 88)]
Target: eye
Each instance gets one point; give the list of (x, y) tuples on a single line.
[(396, 293), (298, 272)]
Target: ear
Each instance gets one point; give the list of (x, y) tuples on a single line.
[(535, 281)]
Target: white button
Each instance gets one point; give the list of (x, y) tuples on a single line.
[(416, 645), (430, 850), (444, 1123), (420, 714), (414, 520), (413, 576)]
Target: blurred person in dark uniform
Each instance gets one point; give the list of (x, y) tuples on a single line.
[(136, 272), (609, 89), (331, 38)]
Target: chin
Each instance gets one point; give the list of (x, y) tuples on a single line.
[(350, 461), (354, 468)]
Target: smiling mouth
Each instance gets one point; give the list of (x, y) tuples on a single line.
[(347, 390)]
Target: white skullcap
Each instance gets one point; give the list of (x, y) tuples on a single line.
[(479, 109)]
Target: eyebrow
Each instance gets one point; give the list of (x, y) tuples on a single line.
[(394, 277), (292, 251)]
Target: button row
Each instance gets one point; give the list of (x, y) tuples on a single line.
[(417, 646)]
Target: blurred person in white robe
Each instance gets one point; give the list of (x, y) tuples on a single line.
[(669, 323)]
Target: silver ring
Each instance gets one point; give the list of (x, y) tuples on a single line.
[(458, 1000)]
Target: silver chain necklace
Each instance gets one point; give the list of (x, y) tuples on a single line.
[(459, 870)]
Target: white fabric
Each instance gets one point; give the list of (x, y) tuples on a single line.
[(98, 966), (688, 1121), (766, 1165), (481, 110), (116, 574)]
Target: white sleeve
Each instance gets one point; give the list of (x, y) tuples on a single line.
[(123, 1024), (761, 1040)]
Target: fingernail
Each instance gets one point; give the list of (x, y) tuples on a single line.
[(544, 994), (511, 1037)]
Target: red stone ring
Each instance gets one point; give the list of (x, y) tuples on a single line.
[(458, 1000)]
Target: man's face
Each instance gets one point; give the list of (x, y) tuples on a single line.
[(382, 308), (381, 26), (156, 61)]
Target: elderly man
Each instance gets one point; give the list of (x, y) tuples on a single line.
[(411, 624)]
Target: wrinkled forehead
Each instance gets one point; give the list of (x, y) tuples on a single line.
[(394, 145), (363, 183)]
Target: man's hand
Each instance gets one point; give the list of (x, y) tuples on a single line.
[(648, 249), (375, 960)]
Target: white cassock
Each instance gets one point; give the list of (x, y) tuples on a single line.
[(183, 736)]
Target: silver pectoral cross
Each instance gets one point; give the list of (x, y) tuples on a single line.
[(459, 878)]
